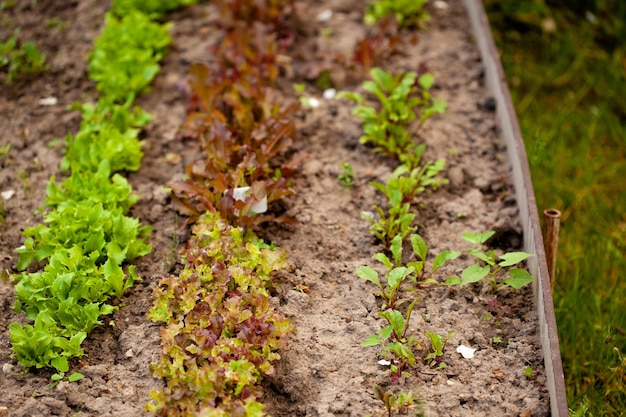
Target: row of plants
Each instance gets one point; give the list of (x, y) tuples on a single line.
[(86, 236), (210, 362), (392, 128), (220, 334)]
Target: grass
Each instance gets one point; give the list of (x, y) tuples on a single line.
[(566, 66)]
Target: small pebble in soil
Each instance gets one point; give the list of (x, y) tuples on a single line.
[(48, 101), (325, 15)]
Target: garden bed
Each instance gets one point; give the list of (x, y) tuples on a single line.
[(323, 370)]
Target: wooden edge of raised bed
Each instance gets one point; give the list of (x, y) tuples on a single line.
[(533, 242)]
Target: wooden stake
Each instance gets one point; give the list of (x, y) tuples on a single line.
[(551, 225)]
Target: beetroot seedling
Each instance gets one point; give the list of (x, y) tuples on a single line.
[(397, 220), (395, 341), (393, 279), (396, 274), (438, 343), (399, 97), (492, 265), (489, 264), (420, 251), (346, 176), (400, 403), (410, 182)]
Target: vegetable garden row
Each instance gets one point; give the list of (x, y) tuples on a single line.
[(221, 334)]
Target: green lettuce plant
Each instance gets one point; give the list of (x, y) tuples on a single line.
[(86, 236), (125, 59), (217, 320)]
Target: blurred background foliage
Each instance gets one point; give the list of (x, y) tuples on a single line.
[(565, 62)]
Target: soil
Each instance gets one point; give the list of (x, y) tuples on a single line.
[(324, 370)]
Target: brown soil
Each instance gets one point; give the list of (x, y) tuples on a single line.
[(323, 371)]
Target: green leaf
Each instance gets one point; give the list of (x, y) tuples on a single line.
[(369, 274), (350, 96), (365, 113), (478, 238), (488, 257), (396, 322), (513, 258), (115, 252), (114, 276), (382, 78), (395, 277), (418, 267), (436, 343), (438, 107), (426, 81), (386, 332), (444, 257), (419, 246), (396, 249), (60, 364), (75, 377), (452, 280), (382, 258), (518, 278), (474, 273), (107, 309), (254, 408), (402, 351), (373, 340)]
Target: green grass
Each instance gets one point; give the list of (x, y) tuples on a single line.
[(568, 82)]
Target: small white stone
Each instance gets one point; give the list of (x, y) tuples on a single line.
[(313, 102), (330, 93), (384, 362), (48, 101), (591, 17), (7, 194), (129, 353), (7, 368), (440, 4), (467, 352), (325, 15)]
